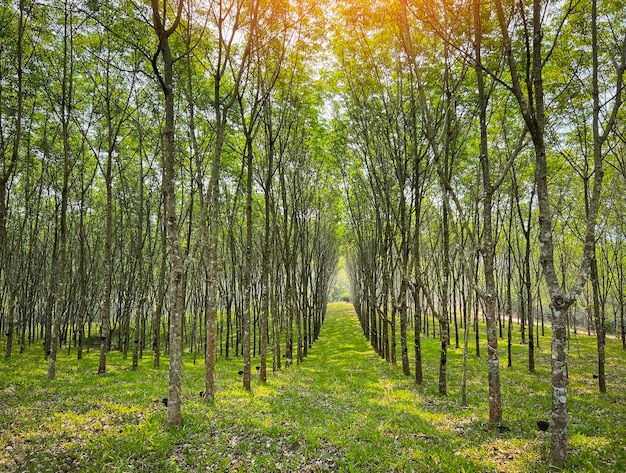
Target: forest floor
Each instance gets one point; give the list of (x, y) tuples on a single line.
[(342, 409)]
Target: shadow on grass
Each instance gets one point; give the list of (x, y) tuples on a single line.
[(342, 409)]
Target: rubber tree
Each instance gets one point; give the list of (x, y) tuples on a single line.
[(227, 18), (527, 86), (63, 110), (10, 153), (164, 29)]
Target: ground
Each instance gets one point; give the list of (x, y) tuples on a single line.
[(342, 409)]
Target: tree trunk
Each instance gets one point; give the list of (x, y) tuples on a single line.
[(10, 324), (66, 101), (158, 313), (176, 264), (247, 279), (174, 417), (598, 316), (7, 171), (403, 327), (105, 327), (488, 248)]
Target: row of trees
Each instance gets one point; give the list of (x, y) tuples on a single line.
[(163, 176), (484, 174), (174, 171)]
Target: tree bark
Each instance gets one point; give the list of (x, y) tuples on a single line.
[(174, 416), (247, 279), (64, 113), (488, 248), (7, 172)]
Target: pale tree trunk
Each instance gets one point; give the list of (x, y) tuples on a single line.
[(265, 263), (158, 312), (59, 293), (533, 110), (418, 190), (223, 103), (442, 316), (598, 316), (443, 328), (64, 113), (288, 255), (402, 308), (599, 138), (509, 292), (405, 230), (299, 311), (445, 165), (6, 174), (141, 298), (205, 235), (488, 247), (417, 320), (82, 305), (620, 295), (176, 264), (10, 324), (525, 274), (443, 162), (247, 277), (265, 268), (105, 327), (171, 223), (213, 264), (465, 345)]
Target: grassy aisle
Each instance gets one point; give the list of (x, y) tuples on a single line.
[(348, 402), (342, 409)]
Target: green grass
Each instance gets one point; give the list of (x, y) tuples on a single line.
[(342, 409)]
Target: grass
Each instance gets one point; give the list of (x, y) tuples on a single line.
[(342, 409)]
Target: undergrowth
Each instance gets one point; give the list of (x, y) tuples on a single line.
[(342, 409)]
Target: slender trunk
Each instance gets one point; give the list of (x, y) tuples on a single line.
[(176, 264), (620, 298), (509, 292), (509, 311), (598, 316), (8, 169), (276, 329), (417, 318), (265, 264), (529, 303), (403, 328), (174, 417), (455, 312), (298, 315), (488, 249), (105, 327), (213, 257), (465, 352), (65, 107), (443, 356), (10, 324), (289, 307), (82, 278), (247, 278), (158, 313), (475, 309), (140, 298)]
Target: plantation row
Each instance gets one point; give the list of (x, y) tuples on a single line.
[(197, 172), (485, 173)]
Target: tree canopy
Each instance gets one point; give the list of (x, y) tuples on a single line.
[(194, 173)]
